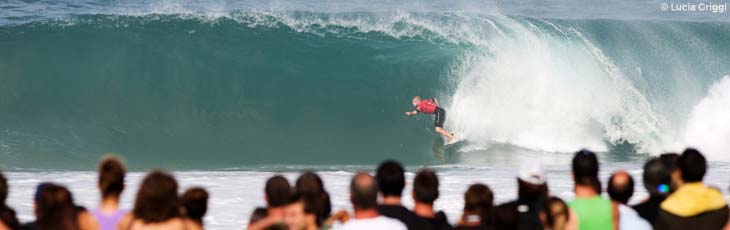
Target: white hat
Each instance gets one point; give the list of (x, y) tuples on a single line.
[(532, 172)]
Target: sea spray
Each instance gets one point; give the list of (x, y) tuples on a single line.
[(708, 128)]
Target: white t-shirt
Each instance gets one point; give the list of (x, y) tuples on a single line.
[(630, 219), (378, 223)]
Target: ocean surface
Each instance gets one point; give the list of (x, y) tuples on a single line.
[(226, 93)]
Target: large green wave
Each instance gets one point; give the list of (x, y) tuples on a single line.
[(305, 88)]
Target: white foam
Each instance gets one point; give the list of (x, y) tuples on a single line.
[(708, 127), (549, 91)]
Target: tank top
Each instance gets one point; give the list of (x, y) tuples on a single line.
[(107, 221), (426, 106), (593, 213)]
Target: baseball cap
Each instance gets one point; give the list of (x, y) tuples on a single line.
[(532, 172)]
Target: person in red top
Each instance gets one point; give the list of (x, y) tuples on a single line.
[(431, 106)]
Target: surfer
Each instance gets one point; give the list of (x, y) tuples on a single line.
[(431, 106)]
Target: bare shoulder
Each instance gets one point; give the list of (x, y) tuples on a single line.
[(87, 221), (192, 225), (125, 221)]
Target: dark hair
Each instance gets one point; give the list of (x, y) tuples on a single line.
[(621, 187), (7, 214), (669, 160), (529, 191), (55, 208), (479, 200), (585, 169), (278, 191), (692, 165), (656, 174), (556, 212), (309, 183), (3, 189), (157, 198), (309, 186), (363, 191), (258, 214), (111, 176), (195, 204), (426, 186), (391, 178)]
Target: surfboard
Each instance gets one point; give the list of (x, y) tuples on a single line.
[(452, 142), (447, 143)]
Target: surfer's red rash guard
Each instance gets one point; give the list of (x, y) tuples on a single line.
[(426, 106)]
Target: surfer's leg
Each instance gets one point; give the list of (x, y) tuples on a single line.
[(440, 119), (445, 133)]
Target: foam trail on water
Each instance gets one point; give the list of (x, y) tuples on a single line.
[(708, 127)]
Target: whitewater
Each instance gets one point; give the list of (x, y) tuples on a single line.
[(239, 90)]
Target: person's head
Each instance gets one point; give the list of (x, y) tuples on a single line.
[(556, 213), (111, 176), (531, 181), (55, 208), (195, 204), (478, 202), (692, 165), (585, 170), (300, 214), (311, 187), (157, 199), (426, 187), (657, 178), (278, 191), (416, 100), (309, 183), (621, 187), (3, 190), (670, 162), (363, 191), (391, 178)]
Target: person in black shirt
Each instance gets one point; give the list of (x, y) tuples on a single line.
[(391, 180), (524, 213), (657, 181), (425, 192)]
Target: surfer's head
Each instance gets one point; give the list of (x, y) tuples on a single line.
[(416, 100)]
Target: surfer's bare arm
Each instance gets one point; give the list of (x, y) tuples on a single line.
[(436, 101), (411, 113)]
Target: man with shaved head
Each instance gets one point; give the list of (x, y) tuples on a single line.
[(364, 198), (620, 189)]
